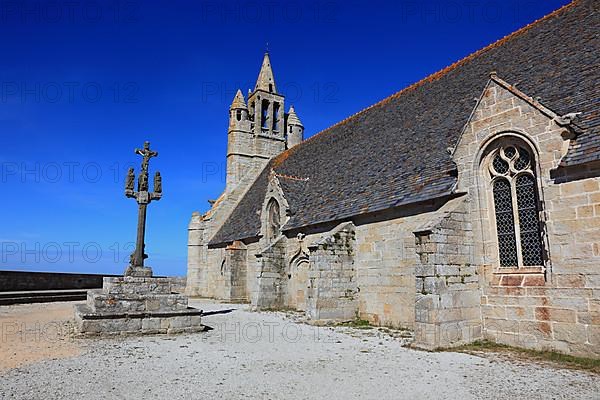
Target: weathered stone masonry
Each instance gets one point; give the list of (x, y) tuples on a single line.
[(332, 283), (272, 279), (447, 306)]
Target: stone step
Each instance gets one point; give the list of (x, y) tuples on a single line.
[(135, 302), (137, 285), (90, 322)]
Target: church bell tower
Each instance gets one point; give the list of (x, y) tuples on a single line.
[(259, 130)]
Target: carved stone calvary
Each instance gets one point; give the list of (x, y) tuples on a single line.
[(143, 197), (138, 302)]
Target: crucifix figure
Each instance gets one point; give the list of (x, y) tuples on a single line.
[(143, 197), (146, 154)]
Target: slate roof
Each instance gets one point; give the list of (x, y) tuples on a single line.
[(395, 152)]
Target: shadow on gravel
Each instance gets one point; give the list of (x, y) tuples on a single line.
[(205, 313)]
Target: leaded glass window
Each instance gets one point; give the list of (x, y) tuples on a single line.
[(516, 207)]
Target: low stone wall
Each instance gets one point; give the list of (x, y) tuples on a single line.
[(15, 281), (19, 281)]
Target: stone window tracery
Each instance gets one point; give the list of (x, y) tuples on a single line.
[(516, 206)]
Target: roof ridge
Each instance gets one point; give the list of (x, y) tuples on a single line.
[(430, 78)]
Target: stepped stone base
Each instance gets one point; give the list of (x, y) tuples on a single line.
[(134, 304)]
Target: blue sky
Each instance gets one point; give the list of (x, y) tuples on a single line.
[(84, 83)]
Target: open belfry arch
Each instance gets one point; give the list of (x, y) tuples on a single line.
[(464, 207)]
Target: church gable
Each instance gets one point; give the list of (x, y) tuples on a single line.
[(504, 158), (275, 210), (502, 110)]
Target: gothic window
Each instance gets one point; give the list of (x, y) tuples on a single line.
[(516, 207), (273, 219)]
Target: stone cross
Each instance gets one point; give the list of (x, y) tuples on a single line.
[(143, 197)]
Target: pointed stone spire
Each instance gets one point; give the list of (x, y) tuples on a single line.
[(293, 118), (266, 80), (238, 101)]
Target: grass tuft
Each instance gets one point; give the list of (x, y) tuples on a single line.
[(357, 323), (556, 358)]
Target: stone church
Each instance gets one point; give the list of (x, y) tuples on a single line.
[(464, 207)]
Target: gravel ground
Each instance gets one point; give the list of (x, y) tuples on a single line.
[(270, 356), (31, 333)]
